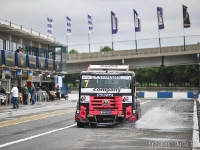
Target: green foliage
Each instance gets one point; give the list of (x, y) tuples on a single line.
[(71, 78), (58, 52), (176, 76), (105, 49), (73, 51)]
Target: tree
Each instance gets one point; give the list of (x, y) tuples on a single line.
[(105, 49), (73, 51), (71, 78)]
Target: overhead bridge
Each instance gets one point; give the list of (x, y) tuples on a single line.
[(142, 58)]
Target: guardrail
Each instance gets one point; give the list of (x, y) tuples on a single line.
[(40, 97), (20, 27), (147, 52)]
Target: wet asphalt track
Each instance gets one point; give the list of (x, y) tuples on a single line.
[(165, 124)]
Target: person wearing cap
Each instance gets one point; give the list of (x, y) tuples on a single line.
[(15, 95)]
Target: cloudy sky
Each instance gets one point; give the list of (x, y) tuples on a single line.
[(32, 14)]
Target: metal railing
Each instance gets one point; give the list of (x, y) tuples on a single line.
[(84, 57), (20, 27), (41, 96)]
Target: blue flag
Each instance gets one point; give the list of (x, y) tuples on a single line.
[(160, 18), (69, 26), (136, 22), (114, 22), (90, 24), (49, 26)]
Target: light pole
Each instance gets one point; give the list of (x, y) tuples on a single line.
[(101, 56), (101, 48)]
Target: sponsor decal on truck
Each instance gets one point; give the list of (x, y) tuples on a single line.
[(108, 89)]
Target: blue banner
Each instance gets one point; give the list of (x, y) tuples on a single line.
[(136, 22), (160, 18), (19, 72), (114, 22)]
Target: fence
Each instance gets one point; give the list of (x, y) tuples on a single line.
[(41, 96)]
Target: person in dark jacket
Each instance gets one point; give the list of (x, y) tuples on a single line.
[(18, 50)]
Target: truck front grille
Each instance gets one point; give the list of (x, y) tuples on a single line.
[(114, 103)]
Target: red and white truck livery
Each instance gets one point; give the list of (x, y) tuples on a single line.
[(107, 95)]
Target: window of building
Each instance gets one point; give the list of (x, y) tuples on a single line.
[(42, 53), (52, 54), (1, 44)]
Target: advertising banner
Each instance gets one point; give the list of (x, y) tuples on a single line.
[(50, 65), (32, 62), (22, 60), (42, 63), (160, 18), (57, 66), (9, 59)]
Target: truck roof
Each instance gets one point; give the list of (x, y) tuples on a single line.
[(108, 67), (108, 72)]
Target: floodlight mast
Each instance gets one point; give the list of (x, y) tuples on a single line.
[(108, 67)]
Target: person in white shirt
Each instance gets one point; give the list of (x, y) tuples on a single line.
[(15, 95)]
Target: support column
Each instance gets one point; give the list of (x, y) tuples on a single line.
[(198, 61)]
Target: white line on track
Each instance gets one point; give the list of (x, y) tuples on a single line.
[(195, 137), (45, 133), (35, 136), (145, 102)]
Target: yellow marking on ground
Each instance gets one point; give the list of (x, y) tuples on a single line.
[(34, 117)]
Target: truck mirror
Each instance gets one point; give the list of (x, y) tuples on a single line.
[(77, 81)]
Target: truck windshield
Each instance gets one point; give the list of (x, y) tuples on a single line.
[(110, 81)]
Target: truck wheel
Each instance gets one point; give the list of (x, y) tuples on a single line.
[(80, 124)]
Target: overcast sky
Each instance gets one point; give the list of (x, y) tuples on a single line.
[(32, 14)]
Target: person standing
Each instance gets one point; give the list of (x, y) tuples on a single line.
[(58, 92), (15, 95), (33, 94), (25, 94)]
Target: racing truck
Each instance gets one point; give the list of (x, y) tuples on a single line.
[(107, 96)]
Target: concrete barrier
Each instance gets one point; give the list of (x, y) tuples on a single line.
[(168, 95), (154, 95)]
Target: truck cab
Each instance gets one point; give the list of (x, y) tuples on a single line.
[(107, 96)]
